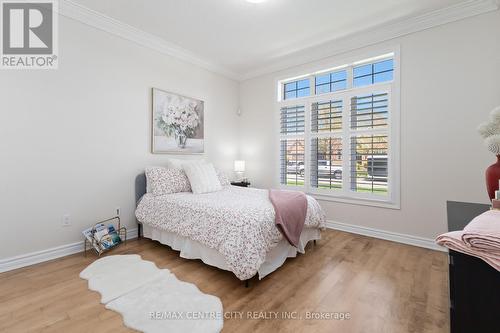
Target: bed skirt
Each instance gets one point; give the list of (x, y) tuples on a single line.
[(190, 249)]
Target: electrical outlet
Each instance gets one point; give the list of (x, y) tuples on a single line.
[(66, 221), (117, 211)]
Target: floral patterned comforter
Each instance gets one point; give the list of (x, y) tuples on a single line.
[(237, 222)]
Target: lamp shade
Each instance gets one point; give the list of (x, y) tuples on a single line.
[(239, 166)]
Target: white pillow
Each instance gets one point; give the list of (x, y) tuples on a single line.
[(202, 177)]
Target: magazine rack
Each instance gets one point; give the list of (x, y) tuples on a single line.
[(97, 244)]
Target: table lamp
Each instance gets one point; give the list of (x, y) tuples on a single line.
[(239, 168)]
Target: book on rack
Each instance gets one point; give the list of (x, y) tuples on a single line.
[(102, 237), (89, 235)]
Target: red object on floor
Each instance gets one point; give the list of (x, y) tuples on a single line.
[(492, 177)]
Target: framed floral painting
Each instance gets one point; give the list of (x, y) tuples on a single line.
[(177, 124)]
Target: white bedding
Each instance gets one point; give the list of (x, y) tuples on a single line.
[(190, 249), (237, 222)]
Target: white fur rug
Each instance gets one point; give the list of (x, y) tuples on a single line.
[(151, 299)]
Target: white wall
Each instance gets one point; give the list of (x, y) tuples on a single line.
[(449, 83), (72, 140)]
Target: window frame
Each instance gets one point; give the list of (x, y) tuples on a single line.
[(345, 195)]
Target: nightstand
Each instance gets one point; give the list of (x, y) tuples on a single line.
[(240, 184)]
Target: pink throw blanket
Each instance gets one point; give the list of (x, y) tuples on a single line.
[(480, 238), (290, 209), (483, 232)]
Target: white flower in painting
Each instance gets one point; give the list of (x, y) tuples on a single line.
[(181, 116)]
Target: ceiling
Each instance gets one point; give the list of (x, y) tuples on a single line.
[(242, 37)]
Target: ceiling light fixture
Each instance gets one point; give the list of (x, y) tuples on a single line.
[(256, 1)]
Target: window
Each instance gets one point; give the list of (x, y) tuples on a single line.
[(377, 72), (296, 89), (336, 140), (331, 82)]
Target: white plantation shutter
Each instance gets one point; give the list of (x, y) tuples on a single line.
[(336, 132), (369, 163), (326, 144), (292, 162), (369, 111), (292, 145), (326, 162), (326, 116), (293, 120), (369, 144)]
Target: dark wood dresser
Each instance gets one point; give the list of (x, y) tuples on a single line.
[(474, 285)]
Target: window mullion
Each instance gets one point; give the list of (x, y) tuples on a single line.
[(390, 150), (346, 145), (312, 85), (308, 135), (349, 72), (307, 146)]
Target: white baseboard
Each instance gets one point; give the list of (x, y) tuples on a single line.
[(28, 259), (387, 235), (132, 233), (32, 258)]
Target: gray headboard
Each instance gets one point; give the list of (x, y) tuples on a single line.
[(140, 187)]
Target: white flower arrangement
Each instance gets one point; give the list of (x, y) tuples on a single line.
[(490, 131), (179, 119)]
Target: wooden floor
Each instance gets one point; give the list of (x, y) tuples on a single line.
[(384, 286)]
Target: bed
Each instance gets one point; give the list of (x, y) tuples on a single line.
[(232, 229)]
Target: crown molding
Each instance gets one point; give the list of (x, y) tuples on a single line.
[(105, 23), (375, 35), (282, 60)]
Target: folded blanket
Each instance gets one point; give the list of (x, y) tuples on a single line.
[(483, 232), (290, 209), (453, 240)]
